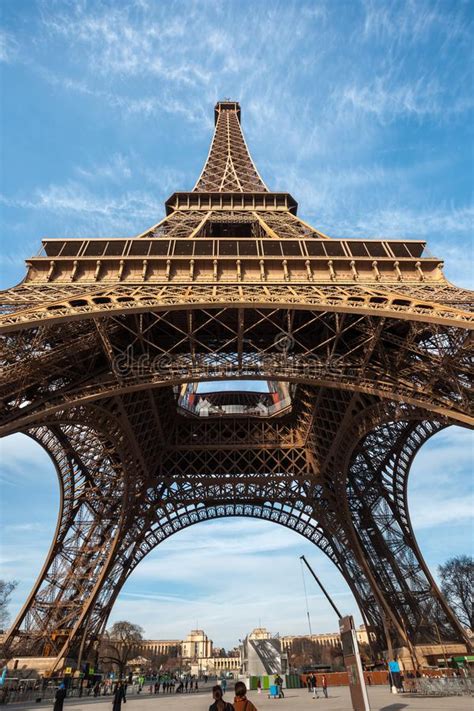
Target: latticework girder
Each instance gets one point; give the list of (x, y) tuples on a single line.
[(370, 345), (229, 166)]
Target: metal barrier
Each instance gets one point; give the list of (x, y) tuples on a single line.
[(31, 692), (440, 686)]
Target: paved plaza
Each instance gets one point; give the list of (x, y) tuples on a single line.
[(295, 700)]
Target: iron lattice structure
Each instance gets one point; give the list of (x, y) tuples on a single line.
[(366, 346)]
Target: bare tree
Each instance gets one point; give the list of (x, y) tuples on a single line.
[(120, 644), (6, 589), (457, 584)]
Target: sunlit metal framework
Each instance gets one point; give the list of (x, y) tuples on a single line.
[(373, 341)]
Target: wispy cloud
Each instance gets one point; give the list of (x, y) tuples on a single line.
[(413, 21), (449, 478), (388, 101), (396, 222), (94, 199), (116, 169), (90, 212), (8, 47)]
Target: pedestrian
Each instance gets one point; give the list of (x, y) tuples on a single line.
[(186, 684), (259, 686), (224, 685), (324, 685), (279, 685), (241, 703), (196, 688), (369, 680), (59, 697), (119, 696), (219, 703), (308, 683), (314, 685)]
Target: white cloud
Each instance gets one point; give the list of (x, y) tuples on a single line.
[(21, 459), (8, 47), (232, 574), (413, 21), (389, 99), (441, 491), (444, 510), (109, 214), (117, 169), (407, 222)]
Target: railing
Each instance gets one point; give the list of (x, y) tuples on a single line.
[(26, 691), (207, 408), (440, 686)]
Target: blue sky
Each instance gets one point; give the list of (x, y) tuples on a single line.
[(362, 110)]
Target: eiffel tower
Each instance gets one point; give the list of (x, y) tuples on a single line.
[(360, 352)]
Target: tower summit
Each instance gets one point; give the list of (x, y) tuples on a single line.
[(365, 349), (229, 166)]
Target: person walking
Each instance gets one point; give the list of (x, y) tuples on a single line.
[(224, 685), (279, 685), (59, 697), (241, 702), (219, 703), (324, 685), (119, 696), (314, 686), (259, 686)]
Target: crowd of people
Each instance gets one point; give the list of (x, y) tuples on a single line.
[(240, 703), (173, 685)]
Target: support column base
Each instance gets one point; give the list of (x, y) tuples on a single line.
[(428, 655)]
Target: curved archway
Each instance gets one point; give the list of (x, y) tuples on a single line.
[(279, 511)]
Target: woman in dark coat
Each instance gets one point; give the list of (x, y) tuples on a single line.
[(59, 698), (119, 696)]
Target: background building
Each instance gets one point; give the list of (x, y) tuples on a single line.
[(325, 639), (197, 645), (161, 647), (261, 654)]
